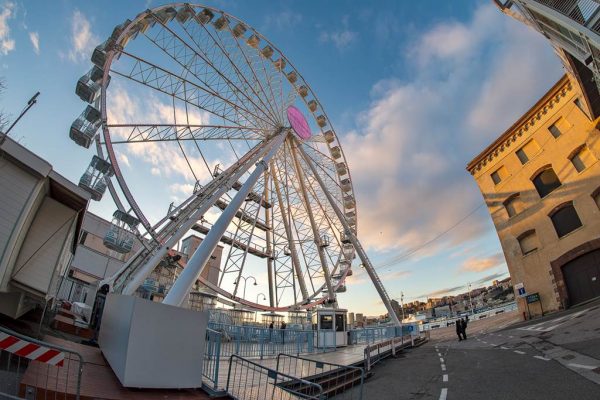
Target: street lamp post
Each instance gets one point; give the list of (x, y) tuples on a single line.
[(470, 299), (402, 304), (245, 281), (264, 298)]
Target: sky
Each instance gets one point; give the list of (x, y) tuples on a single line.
[(414, 90)]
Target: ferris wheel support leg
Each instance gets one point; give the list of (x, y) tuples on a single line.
[(290, 238), (313, 224), (139, 276), (269, 235), (195, 265), (354, 240)]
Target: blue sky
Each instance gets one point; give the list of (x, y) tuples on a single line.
[(414, 90)]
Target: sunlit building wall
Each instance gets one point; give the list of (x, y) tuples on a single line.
[(541, 183)]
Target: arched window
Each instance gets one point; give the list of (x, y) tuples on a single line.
[(565, 219), (528, 242), (545, 182), (581, 158), (513, 205)]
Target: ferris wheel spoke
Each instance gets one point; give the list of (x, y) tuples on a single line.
[(247, 52), (184, 132), (195, 34), (308, 208), (167, 82), (193, 60), (290, 238)]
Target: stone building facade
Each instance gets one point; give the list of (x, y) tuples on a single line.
[(541, 183)]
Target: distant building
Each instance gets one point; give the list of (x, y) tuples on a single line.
[(41, 214), (541, 183), (397, 309), (351, 319)]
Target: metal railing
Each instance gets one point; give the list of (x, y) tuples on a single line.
[(251, 341), (341, 381), (212, 360), (249, 380), (34, 369)]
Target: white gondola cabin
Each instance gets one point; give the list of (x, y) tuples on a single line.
[(120, 236), (93, 179), (84, 128)]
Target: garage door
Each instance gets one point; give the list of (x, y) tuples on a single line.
[(582, 277)]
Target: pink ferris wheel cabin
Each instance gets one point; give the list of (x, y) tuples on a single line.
[(298, 122)]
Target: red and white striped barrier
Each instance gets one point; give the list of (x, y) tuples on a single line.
[(30, 350)]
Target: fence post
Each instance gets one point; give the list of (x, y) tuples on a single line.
[(217, 360), (262, 347)]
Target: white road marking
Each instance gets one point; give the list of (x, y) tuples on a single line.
[(504, 348), (512, 337), (483, 341), (445, 378), (439, 354), (541, 358), (444, 394), (582, 366), (443, 367), (441, 360), (519, 352)]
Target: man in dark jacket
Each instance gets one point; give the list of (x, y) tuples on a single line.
[(464, 328), (459, 329)]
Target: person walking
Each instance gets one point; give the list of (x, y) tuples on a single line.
[(463, 326), (283, 326), (459, 329), (271, 331)]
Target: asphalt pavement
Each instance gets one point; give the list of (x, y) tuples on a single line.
[(556, 357)]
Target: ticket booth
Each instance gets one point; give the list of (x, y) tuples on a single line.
[(332, 329)]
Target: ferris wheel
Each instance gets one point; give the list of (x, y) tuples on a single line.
[(200, 101)]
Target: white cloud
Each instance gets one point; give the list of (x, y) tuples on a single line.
[(282, 20), (479, 264), (35, 41), (83, 40), (422, 133), (164, 158), (124, 159), (7, 44), (341, 38)]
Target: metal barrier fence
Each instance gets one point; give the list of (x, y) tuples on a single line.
[(249, 380), (378, 351), (342, 381), (251, 341), (212, 360), (33, 369)]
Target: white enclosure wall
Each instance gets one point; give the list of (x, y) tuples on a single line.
[(16, 186), (46, 243)]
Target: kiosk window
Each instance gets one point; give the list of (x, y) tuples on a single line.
[(339, 322), (326, 321)]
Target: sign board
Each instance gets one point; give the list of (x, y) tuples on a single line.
[(532, 298), (520, 290)]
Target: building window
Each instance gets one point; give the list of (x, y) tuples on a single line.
[(499, 175), (545, 182), (582, 158), (528, 151), (565, 219), (559, 127), (83, 237), (528, 242), (513, 205), (596, 197)]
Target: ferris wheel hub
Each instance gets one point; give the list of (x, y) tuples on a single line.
[(298, 122)]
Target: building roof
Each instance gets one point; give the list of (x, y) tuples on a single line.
[(558, 87)]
